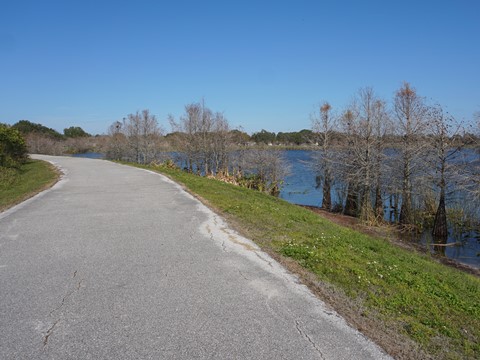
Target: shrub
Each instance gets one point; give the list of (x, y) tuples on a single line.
[(13, 149)]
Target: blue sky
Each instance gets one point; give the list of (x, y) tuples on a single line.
[(265, 64)]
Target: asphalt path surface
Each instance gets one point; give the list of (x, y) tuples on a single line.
[(116, 262)]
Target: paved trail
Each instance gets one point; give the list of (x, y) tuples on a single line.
[(116, 262)]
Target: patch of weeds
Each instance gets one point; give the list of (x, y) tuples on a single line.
[(8, 176)]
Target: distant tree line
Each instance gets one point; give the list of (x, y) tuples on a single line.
[(301, 137), (43, 140)]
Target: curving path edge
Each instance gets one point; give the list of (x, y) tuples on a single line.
[(115, 262)]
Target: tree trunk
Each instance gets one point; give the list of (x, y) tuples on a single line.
[(395, 207), (406, 210), (327, 197), (351, 205), (378, 203), (366, 211), (440, 228)]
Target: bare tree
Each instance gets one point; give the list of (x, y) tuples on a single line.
[(143, 135), (471, 177), (382, 128), (116, 146), (131, 127), (323, 125), (364, 124), (410, 112), (137, 138), (221, 144), (347, 165), (203, 138), (443, 151), (151, 136), (262, 170), (365, 151)]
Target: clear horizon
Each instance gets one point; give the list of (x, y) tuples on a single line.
[(265, 65)]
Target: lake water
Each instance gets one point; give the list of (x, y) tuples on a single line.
[(300, 186)]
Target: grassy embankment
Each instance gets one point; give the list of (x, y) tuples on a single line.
[(407, 302), (19, 184)]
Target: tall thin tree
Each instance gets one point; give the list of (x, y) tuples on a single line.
[(410, 111), (445, 149), (323, 125)]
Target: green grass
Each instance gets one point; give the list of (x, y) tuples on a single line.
[(436, 306), (19, 184)]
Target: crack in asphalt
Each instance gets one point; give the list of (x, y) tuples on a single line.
[(64, 299), (242, 275), (49, 333), (263, 259), (79, 285), (305, 335), (224, 247)]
